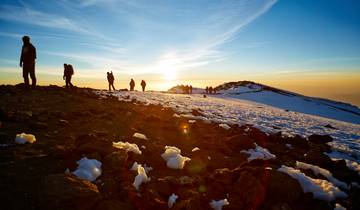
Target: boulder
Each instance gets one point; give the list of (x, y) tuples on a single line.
[(114, 205), (65, 191), (240, 142), (320, 139), (87, 144), (282, 188), (115, 161), (247, 192)]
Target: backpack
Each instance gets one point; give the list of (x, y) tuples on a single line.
[(70, 70)]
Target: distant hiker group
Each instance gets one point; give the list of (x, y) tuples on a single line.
[(210, 90), (27, 62)]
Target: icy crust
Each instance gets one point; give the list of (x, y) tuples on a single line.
[(88, 169), (321, 189), (327, 174), (258, 153), (236, 111), (25, 138)]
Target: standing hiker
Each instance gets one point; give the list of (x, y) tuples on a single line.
[(27, 61), (68, 72), (143, 85), (110, 78), (132, 84)]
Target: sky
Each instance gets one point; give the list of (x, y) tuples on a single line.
[(310, 47)]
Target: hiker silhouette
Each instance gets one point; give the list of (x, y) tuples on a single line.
[(143, 85), (110, 78), (68, 72), (27, 61), (132, 85)]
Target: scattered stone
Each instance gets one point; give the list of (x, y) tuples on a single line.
[(320, 139), (64, 191)]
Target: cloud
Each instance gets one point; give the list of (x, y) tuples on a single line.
[(25, 14)]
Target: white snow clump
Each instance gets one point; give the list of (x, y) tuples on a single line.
[(88, 169), (339, 207), (127, 147), (136, 165), (217, 205), (317, 170), (225, 126), (195, 149), (25, 138), (140, 136), (173, 157), (140, 178), (321, 189), (258, 153), (172, 200)]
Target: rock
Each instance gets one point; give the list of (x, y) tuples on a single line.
[(259, 137), (3, 114), (247, 192), (115, 161), (89, 143), (329, 126), (282, 188), (190, 199), (320, 139), (38, 125), (240, 142), (114, 205), (65, 191)]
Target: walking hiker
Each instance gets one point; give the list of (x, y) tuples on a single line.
[(68, 72), (132, 85), (110, 78), (143, 85), (27, 61)]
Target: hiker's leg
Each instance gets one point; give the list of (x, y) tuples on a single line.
[(26, 75), (32, 75)]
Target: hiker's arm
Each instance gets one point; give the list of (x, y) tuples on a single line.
[(21, 58)]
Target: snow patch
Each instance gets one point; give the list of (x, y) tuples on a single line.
[(128, 147), (172, 200), (173, 157), (88, 169), (225, 126), (135, 167), (339, 207), (140, 136), (192, 121), (327, 174), (25, 138), (195, 149), (321, 189), (141, 177), (218, 205), (353, 166), (258, 153)]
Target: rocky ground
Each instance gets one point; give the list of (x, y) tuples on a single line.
[(70, 124)]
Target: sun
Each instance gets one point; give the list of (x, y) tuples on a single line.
[(169, 74)]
